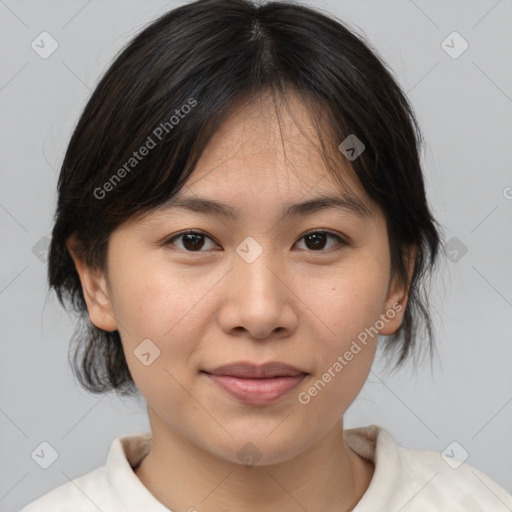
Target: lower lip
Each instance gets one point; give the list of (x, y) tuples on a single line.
[(257, 391)]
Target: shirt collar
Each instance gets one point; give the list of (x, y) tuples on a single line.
[(373, 443), (376, 444), (125, 454)]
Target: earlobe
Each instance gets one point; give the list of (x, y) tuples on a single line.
[(95, 291), (398, 295)]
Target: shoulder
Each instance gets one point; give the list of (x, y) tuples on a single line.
[(113, 487), (83, 494), (412, 480), (454, 485)]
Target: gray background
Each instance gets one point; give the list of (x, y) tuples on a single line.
[(464, 106)]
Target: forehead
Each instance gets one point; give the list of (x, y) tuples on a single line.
[(271, 146)]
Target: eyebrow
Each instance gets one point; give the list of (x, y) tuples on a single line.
[(349, 203)]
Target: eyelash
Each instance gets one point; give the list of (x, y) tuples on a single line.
[(341, 242)]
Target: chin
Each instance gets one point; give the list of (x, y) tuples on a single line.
[(260, 449)]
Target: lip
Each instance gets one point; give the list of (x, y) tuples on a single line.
[(250, 370), (256, 384)]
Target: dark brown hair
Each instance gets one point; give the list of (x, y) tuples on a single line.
[(180, 78)]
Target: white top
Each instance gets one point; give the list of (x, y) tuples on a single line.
[(405, 480)]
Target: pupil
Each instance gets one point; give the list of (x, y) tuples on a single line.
[(315, 237), (194, 238)]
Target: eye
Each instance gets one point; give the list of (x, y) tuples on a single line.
[(193, 241), (316, 240)]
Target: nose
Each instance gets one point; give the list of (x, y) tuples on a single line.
[(260, 300)]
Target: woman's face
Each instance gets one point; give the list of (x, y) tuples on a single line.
[(255, 287)]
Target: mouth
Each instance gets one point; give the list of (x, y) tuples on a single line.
[(256, 384)]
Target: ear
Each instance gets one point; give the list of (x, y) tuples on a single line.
[(398, 294), (94, 288)]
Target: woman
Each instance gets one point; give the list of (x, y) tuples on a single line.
[(241, 215)]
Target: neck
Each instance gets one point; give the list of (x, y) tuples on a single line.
[(327, 476)]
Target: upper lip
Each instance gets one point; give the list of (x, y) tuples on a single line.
[(249, 370)]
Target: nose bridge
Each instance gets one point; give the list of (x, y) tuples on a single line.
[(258, 301), (256, 266)]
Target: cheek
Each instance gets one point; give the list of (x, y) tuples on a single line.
[(350, 307), (172, 306), (157, 300), (334, 387), (351, 302), (342, 367)]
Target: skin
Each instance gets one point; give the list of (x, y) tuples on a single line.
[(208, 307)]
